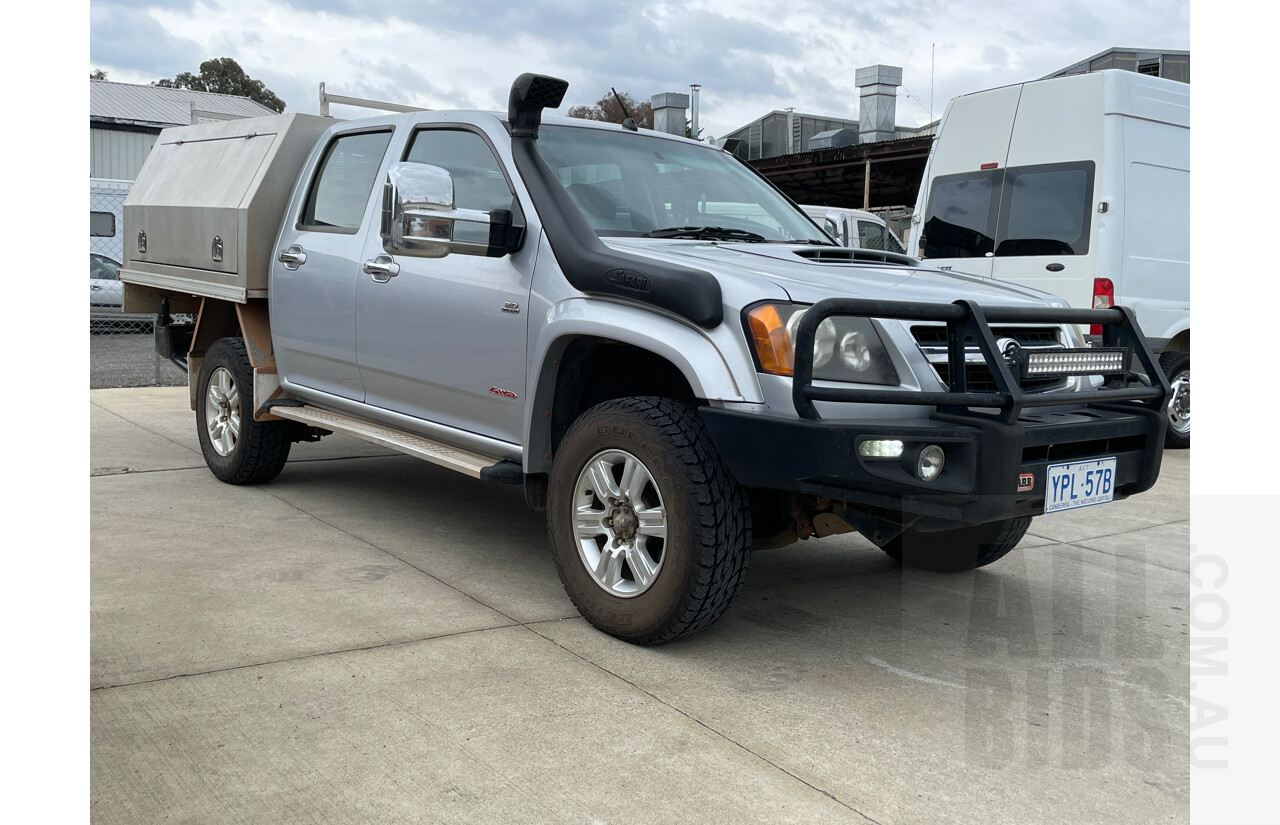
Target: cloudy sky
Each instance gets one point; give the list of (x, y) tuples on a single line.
[(751, 56)]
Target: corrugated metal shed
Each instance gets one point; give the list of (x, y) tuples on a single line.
[(136, 105), (118, 154)]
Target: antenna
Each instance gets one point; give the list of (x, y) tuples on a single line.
[(629, 122)]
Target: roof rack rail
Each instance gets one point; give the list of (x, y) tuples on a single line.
[(326, 99)]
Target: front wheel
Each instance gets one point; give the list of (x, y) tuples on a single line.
[(649, 530), (964, 548), (1177, 367), (237, 449)]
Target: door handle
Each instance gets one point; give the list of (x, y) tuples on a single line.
[(382, 268), (293, 257)]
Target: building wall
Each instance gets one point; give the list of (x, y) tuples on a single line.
[(767, 136), (116, 154)]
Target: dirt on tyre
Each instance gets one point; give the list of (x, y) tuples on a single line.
[(649, 531), (237, 449), (1177, 368), (954, 551)]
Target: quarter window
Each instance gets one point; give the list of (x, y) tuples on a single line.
[(340, 191)]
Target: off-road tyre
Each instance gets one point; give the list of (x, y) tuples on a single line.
[(1176, 366), (708, 520), (260, 447), (954, 551)]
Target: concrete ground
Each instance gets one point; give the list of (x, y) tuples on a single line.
[(128, 359), (373, 639)]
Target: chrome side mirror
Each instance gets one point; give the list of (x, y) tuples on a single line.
[(420, 217)]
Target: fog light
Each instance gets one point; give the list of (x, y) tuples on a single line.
[(880, 448), (929, 464)]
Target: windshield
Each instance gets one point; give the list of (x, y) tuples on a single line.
[(634, 185)]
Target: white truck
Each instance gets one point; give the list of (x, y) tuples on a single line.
[(1079, 186), (580, 308), (854, 228)]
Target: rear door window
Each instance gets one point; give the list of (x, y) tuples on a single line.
[(1019, 211), (1045, 210), (340, 191), (871, 235), (961, 219)]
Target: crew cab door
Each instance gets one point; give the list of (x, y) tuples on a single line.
[(443, 339), (316, 263)]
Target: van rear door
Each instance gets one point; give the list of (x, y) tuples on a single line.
[(963, 198), (1048, 229)]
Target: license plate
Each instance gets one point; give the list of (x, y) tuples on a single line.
[(1079, 484)]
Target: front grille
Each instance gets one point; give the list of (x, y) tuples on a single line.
[(977, 376), (935, 336)]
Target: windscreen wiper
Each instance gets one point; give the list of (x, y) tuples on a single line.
[(712, 233)]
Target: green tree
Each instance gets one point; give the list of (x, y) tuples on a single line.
[(97, 74), (224, 76), (608, 110)]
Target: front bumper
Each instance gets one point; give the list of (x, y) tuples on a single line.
[(986, 461), (998, 443)]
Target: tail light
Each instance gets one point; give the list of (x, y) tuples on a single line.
[(1104, 297)]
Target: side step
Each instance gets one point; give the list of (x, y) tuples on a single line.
[(462, 461)]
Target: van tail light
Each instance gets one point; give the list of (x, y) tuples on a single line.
[(1104, 297)]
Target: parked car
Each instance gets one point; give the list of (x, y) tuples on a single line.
[(578, 308), (854, 228), (106, 293)]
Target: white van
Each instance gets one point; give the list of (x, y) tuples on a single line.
[(106, 229), (1079, 186), (854, 228)]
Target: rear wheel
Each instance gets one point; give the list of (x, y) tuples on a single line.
[(1177, 367), (953, 551), (649, 531), (237, 449)]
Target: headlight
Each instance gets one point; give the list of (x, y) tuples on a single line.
[(824, 340), (844, 348)]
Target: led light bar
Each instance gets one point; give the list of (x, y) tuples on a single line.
[(1075, 361)]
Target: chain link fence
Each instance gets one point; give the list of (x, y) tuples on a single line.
[(121, 347), (106, 251)]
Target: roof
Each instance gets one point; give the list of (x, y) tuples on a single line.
[(133, 104), (1142, 54), (850, 123)]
